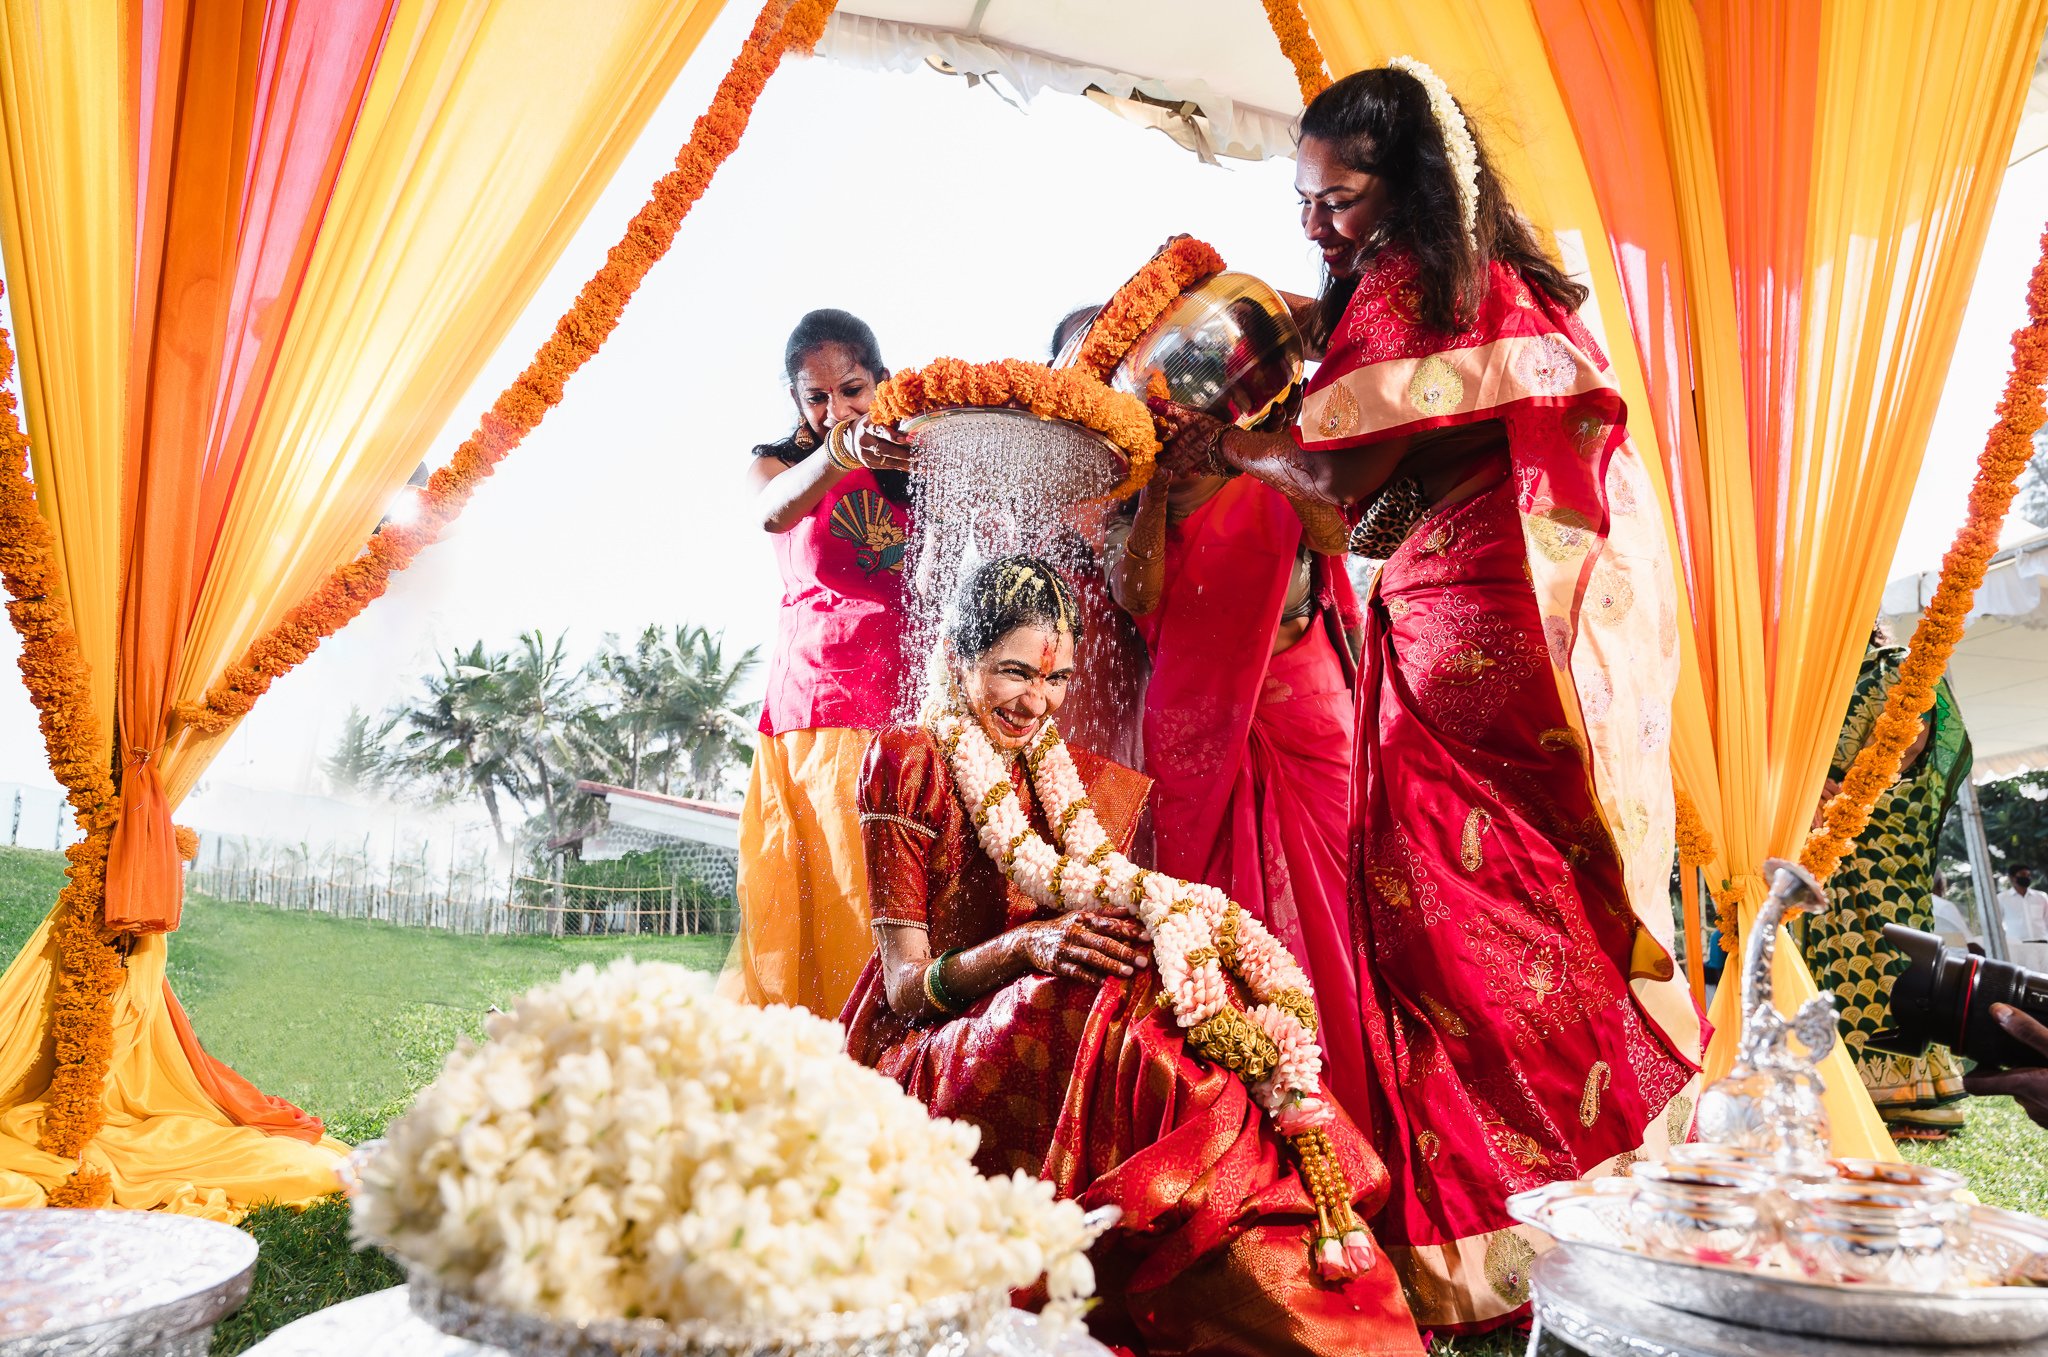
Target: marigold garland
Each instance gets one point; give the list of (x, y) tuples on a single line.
[(2006, 451), (1049, 393), (89, 965), (1695, 851), (577, 336), (1299, 46), (1139, 303)]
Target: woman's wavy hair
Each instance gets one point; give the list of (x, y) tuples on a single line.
[(828, 325), (1007, 593), (1380, 123)]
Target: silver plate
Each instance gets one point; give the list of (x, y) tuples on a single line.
[(944, 1328), (86, 1283), (1004, 452), (1589, 1214)]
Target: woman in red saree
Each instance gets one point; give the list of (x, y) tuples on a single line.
[(1050, 1032), (1251, 763), (1512, 817)]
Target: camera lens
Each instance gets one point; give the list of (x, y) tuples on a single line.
[(1945, 996)]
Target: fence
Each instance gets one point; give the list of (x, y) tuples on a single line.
[(428, 887)]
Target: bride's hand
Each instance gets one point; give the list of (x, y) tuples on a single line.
[(1084, 946), (1194, 440)]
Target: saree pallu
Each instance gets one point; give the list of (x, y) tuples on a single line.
[(1091, 1086), (1251, 761), (1494, 932), (1513, 822), (803, 881), (1888, 878)]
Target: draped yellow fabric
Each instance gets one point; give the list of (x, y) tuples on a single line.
[(486, 132), (1794, 196)]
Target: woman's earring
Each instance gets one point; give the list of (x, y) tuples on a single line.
[(804, 438)]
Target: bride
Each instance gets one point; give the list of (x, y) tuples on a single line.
[(1137, 1040)]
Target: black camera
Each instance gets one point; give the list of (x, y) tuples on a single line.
[(1945, 996)]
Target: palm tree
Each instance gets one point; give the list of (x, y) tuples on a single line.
[(454, 741), (541, 702), (362, 755), (704, 723)]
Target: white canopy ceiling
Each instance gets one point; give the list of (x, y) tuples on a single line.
[(1207, 72)]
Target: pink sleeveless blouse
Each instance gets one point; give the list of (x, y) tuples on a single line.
[(839, 655)]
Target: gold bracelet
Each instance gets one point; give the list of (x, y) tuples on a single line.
[(836, 450)]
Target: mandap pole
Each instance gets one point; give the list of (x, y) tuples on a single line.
[(1985, 881)]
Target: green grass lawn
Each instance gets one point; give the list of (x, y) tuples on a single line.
[(349, 1019)]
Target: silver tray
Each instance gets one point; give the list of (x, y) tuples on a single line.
[(947, 1327), (1589, 1214)]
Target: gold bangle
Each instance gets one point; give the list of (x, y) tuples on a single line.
[(836, 450)]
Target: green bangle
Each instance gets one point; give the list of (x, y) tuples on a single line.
[(935, 985)]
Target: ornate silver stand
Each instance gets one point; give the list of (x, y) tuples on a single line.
[(101, 1283), (1771, 1099)]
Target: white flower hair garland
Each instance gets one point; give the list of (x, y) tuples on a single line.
[(1201, 942), (1459, 147)]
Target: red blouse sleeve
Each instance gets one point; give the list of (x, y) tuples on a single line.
[(903, 786)]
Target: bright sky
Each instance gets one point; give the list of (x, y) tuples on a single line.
[(954, 224)]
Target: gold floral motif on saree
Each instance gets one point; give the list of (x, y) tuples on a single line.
[(1340, 416), (1678, 1119), (1621, 487), (1443, 1017), (1464, 663), (1472, 847), (1438, 540), (1560, 534), (1587, 431), (1398, 608), (1560, 738), (1436, 388), (1547, 366), (1597, 1080), (1609, 595), (1543, 966), (1508, 1260), (1428, 1145)]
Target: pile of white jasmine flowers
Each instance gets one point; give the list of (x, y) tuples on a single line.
[(626, 1145)]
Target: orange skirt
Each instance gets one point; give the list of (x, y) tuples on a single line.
[(803, 890)]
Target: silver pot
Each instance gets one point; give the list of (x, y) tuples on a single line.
[(1229, 347)]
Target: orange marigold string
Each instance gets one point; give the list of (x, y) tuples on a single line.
[(1139, 303), (516, 412), (1299, 46), (1049, 393), (2006, 452), (1695, 851), (90, 968)]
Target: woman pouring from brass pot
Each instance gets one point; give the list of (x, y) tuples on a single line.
[(1511, 821)]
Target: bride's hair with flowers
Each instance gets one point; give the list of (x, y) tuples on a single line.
[(1382, 123), (1007, 593)]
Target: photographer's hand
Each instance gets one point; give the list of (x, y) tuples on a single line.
[(2028, 1087)]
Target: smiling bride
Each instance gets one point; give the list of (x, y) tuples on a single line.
[(1139, 1041)]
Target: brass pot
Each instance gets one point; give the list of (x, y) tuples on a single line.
[(1229, 347)]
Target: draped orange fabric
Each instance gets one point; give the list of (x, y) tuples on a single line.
[(239, 97), (256, 251)]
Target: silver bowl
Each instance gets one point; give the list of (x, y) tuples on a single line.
[(1228, 347), (947, 1327)]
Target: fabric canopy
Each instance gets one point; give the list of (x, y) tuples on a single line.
[(256, 252)]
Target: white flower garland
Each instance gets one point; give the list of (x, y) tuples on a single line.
[(1199, 939), (1459, 147)]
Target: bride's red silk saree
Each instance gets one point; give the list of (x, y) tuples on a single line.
[(1093, 1088), (1512, 823)]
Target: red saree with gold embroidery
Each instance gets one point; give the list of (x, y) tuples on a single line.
[(1252, 761), (1093, 1088), (1512, 820)]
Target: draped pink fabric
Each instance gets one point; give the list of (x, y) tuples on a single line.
[(1251, 761)]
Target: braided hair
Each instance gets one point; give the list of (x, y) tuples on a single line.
[(1007, 593)]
